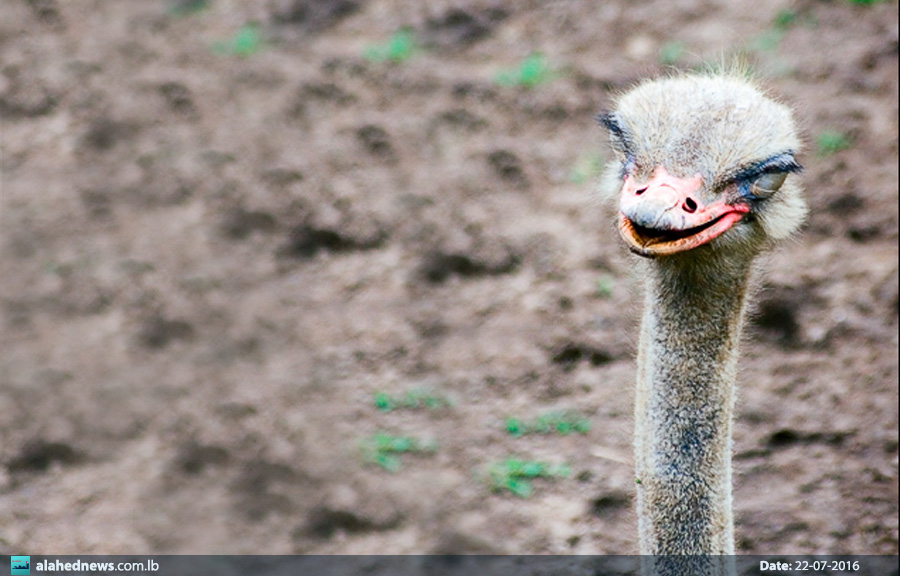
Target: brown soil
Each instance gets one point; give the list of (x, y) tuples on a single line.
[(211, 263)]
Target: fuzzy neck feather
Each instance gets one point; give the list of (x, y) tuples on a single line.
[(687, 364)]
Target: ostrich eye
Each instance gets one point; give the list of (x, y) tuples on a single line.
[(764, 178), (768, 184)]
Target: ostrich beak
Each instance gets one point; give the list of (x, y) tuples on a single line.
[(666, 214)]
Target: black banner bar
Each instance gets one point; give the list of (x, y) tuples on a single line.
[(168, 565)]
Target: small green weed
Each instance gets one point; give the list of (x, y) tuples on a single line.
[(518, 476), (413, 399), (786, 18), (767, 41), (670, 53), (187, 7), (868, 2), (587, 168), (533, 71), (385, 450), (563, 422), (605, 284), (398, 48), (832, 141), (245, 42)]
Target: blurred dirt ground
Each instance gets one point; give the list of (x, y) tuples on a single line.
[(226, 226)]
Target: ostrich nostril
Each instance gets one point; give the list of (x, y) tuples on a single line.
[(689, 206), (640, 191)]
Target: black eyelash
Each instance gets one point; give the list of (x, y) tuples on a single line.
[(610, 121), (621, 140), (783, 162)]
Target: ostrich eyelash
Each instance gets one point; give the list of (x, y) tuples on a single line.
[(620, 138), (613, 123), (780, 163)]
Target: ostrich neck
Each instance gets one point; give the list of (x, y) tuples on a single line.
[(687, 363)]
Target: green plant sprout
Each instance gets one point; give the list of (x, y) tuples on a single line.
[(670, 53), (187, 7), (245, 42), (785, 18), (831, 141), (767, 41), (398, 48), (413, 399), (867, 2), (788, 18), (385, 450), (605, 285), (533, 71), (562, 422), (587, 168), (518, 476)]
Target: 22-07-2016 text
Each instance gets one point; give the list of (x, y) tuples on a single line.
[(810, 566)]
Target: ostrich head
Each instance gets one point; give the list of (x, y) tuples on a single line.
[(704, 167)]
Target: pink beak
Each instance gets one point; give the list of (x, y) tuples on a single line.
[(666, 214)]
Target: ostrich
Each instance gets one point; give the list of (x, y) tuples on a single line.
[(703, 179)]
